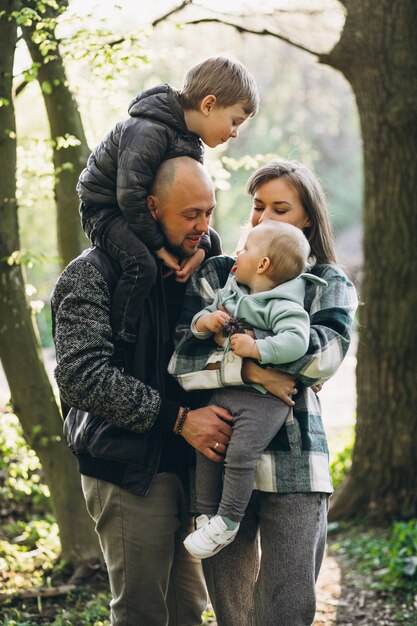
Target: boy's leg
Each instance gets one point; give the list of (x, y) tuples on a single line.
[(138, 275), (139, 271), (142, 547), (208, 484), (293, 535), (257, 419)]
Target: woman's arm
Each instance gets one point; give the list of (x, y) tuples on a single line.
[(331, 309)]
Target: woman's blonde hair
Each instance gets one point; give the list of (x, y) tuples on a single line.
[(319, 233)]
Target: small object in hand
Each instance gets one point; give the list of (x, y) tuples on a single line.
[(235, 325)]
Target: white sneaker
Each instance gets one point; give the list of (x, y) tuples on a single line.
[(210, 537), (201, 520)]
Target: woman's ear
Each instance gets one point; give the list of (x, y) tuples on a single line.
[(263, 265), (207, 104)]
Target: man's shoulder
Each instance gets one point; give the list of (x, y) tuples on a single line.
[(92, 267)]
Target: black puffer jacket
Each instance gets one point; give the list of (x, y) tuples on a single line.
[(120, 171)]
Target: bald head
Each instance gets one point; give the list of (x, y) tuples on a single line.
[(176, 171), (182, 201)]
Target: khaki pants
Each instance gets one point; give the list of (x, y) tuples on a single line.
[(153, 579)]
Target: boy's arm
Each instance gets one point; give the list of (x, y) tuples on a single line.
[(141, 152)]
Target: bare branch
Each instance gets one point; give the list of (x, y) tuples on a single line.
[(244, 29), (21, 86), (177, 9)]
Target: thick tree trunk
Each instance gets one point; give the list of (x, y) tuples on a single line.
[(377, 53), (64, 119), (32, 396)]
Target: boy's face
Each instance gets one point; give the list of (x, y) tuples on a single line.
[(221, 123), (248, 259)]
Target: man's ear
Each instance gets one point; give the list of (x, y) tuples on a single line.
[(263, 265), (207, 104), (153, 206)]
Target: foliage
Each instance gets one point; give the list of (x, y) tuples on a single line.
[(388, 554), (341, 457), (21, 486)]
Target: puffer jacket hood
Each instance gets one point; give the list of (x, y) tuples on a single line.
[(160, 104)]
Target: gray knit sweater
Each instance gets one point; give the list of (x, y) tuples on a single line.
[(86, 378)]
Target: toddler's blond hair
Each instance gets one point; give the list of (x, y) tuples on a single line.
[(286, 246)]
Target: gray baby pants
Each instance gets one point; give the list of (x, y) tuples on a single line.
[(257, 419)]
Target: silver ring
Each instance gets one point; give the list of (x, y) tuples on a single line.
[(216, 445)]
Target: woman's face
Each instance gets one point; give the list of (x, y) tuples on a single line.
[(278, 200)]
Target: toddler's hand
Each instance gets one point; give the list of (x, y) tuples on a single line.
[(215, 321), (169, 259), (219, 338), (189, 266), (244, 345)]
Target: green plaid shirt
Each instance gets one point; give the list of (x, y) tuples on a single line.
[(297, 459)]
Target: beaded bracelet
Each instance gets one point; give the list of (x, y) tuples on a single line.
[(181, 421)]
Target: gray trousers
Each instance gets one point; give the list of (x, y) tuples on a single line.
[(154, 581), (271, 582), (257, 419)]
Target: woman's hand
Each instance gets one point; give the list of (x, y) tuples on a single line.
[(279, 384)]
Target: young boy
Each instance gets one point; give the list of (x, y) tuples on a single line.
[(265, 291), (216, 97)]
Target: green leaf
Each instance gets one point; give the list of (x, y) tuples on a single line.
[(46, 87)]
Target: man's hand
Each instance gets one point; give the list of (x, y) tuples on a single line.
[(189, 266), (279, 384), (209, 430), (244, 345)]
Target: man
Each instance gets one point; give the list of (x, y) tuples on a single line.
[(128, 412)]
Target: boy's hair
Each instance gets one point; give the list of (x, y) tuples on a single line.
[(224, 78), (287, 248)]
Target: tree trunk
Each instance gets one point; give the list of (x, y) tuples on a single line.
[(31, 392), (377, 53), (64, 119)]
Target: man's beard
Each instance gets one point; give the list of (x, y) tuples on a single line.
[(180, 252)]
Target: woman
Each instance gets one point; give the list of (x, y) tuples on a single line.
[(273, 582)]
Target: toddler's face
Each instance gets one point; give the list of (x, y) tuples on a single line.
[(222, 123), (248, 258)]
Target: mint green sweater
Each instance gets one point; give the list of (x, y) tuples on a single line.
[(279, 311)]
